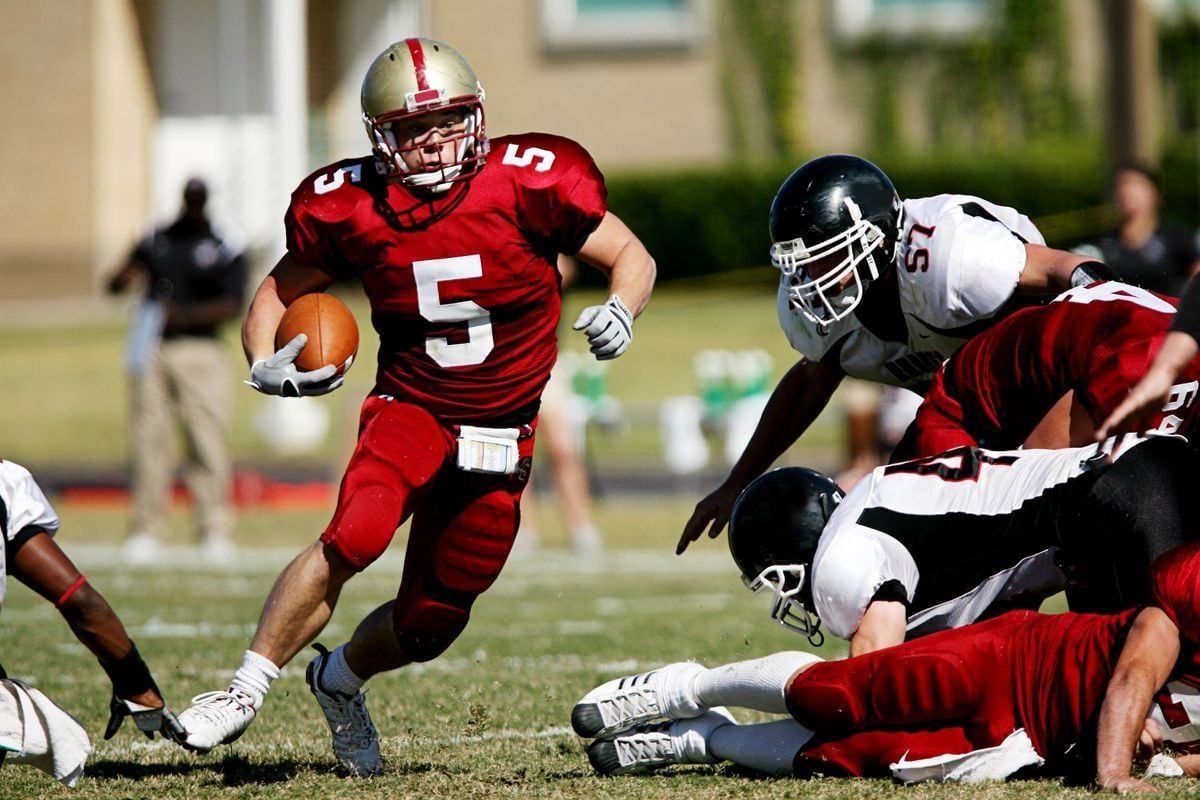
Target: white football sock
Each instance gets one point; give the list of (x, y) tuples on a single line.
[(758, 683), (768, 747), (254, 677), (336, 676)]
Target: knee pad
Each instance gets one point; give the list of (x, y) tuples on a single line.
[(425, 626), (364, 524), (922, 687)]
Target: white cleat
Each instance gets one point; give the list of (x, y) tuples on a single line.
[(355, 740), (645, 748), (217, 718), (625, 703)]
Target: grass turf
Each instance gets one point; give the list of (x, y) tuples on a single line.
[(489, 719)]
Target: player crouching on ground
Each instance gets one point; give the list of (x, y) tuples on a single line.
[(1067, 695), (33, 730), (455, 241)]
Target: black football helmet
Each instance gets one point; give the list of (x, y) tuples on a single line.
[(836, 204), (773, 533)]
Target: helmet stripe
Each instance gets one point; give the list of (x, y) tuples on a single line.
[(418, 57)]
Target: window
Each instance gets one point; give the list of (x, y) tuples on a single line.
[(569, 25), (855, 19)]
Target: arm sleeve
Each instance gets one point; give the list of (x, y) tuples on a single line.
[(566, 202), (25, 505), (311, 242), (853, 571), (983, 262), (1173, 580)]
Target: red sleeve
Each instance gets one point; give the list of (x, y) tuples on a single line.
[(561, 196), (321, 206), (1175, 578)]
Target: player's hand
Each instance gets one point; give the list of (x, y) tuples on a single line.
[(1145, 399), (711, 512), (609, 328), (148, 720), (1151, 739), (278, 375)]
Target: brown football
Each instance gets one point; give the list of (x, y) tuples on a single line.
[(330, 327)]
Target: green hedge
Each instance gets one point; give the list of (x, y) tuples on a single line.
[(702, 222)]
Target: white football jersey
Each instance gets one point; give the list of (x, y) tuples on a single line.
[(23, 507), (959, 261), (959, 532), (1176, 709)]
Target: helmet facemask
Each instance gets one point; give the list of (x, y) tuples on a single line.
[(824, 300), (470, 143), (788, 608)]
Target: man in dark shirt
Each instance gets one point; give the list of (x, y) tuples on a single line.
[(195, 278), (1142, 250)]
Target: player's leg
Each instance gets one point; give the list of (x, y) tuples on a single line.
[(400, 449), (151, 448), (687, 689), (955, 675), (1140, 507), (461, 535), (201, 377)]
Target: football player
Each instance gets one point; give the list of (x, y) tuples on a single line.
[(454, 239), (1068, 694), (30, 554), (1095, 341), (939, 542), (881, 289)]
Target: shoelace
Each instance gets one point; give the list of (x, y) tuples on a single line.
[(214, 707), (634, 701), (645, 747)]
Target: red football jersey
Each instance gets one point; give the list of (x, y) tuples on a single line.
[(1096, 340), (463, 288)]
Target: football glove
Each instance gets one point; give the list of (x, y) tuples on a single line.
[(148, 720), (609, 328), (278, 375)]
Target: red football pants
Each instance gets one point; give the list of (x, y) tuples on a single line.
[(463, 523), (961, 677)]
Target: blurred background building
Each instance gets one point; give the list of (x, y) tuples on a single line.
[(111, 104)]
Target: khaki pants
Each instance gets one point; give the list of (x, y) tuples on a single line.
[(190, 374)]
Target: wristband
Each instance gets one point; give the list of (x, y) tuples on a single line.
[(1187, 318), (1090, 272), (130, 676)]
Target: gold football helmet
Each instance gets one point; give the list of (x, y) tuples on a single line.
[(414, 77)]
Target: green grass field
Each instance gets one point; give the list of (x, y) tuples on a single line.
[(489, 719)]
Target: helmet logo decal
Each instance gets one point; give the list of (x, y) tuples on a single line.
[(414, 101), (418, 57)]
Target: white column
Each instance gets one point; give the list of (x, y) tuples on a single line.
[(288, 71)]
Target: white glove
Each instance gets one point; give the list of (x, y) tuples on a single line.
[(609, 328), (278, 375)]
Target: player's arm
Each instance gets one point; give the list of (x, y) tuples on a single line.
[(1145, 663), (41, 565), (797, 400), (883, 625), (614, 250), (273, 372), (1048, 270), (1180, 346)]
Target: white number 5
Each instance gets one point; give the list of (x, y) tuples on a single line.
[(327, 183), (545, 158), (428, 274)]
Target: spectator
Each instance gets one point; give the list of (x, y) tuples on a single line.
[(1143, 251), (195, 277)]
